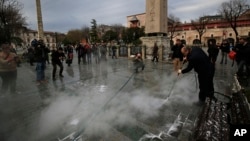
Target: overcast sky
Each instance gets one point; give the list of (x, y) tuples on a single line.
[(63, 15)]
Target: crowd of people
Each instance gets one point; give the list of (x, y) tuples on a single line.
[(40, 54), (201, 61)]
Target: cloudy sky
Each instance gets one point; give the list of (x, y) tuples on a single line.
[(63, 15)]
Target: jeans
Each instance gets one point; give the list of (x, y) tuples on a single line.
[(40, 67)]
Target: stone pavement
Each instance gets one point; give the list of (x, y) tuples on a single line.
[(105, 101)]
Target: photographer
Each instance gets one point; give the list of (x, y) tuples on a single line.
[(138, 62), (40, 54)]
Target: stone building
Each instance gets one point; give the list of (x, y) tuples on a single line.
[(217, 28), (50, 39)]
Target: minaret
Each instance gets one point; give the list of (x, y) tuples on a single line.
[(39, 20)]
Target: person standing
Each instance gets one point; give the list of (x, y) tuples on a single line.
[(242, 50), (69, 50), (155, 53), (177, 55), (88, 50), (114, 52), (80, 52), (103, 51), (40, 54), (8, 69), (225, 48), (199, 61), (47, 55), (213, 51), (96, 52), (58, 57)]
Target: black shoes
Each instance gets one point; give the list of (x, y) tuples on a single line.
[(61, 75)]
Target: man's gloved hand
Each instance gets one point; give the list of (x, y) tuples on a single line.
[(179, 72)]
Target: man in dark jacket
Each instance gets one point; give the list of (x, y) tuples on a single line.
[(242, 50), (40, 57), (57, 57), (114, 52), (199, 61), (155, 53), (225, 48), (177, 55), (213, 51), (81, 53)]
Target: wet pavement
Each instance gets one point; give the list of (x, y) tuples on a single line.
[(105, 102)]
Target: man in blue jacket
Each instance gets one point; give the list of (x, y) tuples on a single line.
[(199, 61)]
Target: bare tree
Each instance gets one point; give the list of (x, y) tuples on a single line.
[(200, 25), (11, 19), (232, 10), (174, 23)]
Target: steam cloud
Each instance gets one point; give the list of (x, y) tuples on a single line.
[(99, 108)]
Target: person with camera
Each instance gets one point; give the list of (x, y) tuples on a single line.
[(8, 69), (58, 57), (138, 62), (40, 56)]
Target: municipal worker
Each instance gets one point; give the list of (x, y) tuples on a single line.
[(199, 61)]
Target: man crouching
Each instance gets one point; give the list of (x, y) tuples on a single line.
[(138, 62)]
